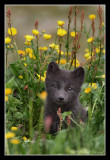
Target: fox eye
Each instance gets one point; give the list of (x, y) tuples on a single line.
[(69, 88)]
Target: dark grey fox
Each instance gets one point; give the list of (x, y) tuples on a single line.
[(63, 88)]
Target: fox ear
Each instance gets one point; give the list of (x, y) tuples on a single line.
[(53, 67), (79, 75)]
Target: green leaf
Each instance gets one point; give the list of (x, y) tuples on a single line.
[(10, 83), (18, 115), (66, 114)]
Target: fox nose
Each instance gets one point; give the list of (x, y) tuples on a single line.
[(61, 98)]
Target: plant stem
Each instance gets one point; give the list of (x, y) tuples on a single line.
[(75, 122), (30, 117), (59, 49), (68, 40)]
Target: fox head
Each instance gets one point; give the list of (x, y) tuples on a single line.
[(63, 86)]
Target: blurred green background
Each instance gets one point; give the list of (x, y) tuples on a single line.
[(24, 16)]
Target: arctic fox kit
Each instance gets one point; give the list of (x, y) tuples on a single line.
[(63, 88)]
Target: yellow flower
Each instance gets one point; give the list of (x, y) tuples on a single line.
[(92, 16), (35, 32), (8, 91), (89, 40), (86, 50), (68, 53), (87, 90), (60, 23), (21, 52), (45, 73), (47, 36), (77, 63), (103, 51), (31, 55), (103, 76), (14, 141), (20, 76), (12, 31), (57, 61), (44, 48), (59, 52), (7, 40), (43, 31), (42, 95), (9, 135), (27, 43), (10, 46), (24, 58), (29, 50), (102, 23), (24, 138), (73, 34), (94, 85), (14, 128), (29, 38), (6, 98), (25, 64), (86, 55), (54, 46), (97, 50), (61, 32), (62, 61), (42, 78)]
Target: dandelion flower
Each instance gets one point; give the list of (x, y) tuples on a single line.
[(60, 23), (45, 73), (54, 46), (42, 78), (10, 46), (61, 52), (29, 50), (35, 32), (97, 50), (94, 85), (7, 40), (44, 48), (32, 56), (42, 95), (61, 32), (12, 31), (20, 76), (6, 98), (103, 51), (92, 16), (27, 43), (24, 138), (21, 52), (47, 36), (86, 50), (62, 61), (43, 31), (103, 76), (68, 53), (87, 90), (9, 135), (29, 38), (89, 40), (14, 128), (8, 91), (25, 64), (73, 34), (14, 141)]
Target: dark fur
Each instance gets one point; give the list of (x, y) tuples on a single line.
[(63, 88)]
